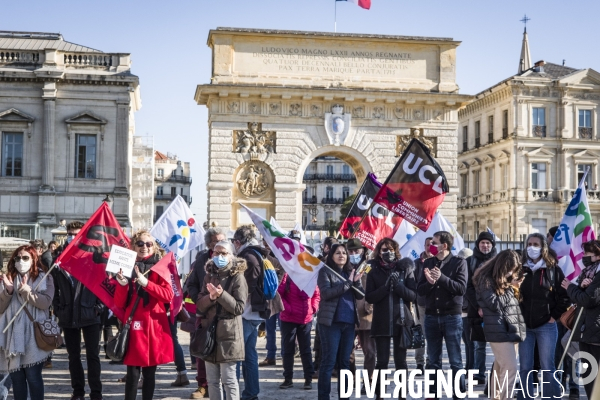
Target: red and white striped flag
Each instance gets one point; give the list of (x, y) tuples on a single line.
[(366, 4)]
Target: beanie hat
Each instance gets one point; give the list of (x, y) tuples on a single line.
[(354, 244), (485, 236)]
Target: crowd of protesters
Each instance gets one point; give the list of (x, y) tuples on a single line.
[(511, 300)]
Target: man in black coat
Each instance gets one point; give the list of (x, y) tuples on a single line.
[(444, 283), (485, 249), (78, 311)]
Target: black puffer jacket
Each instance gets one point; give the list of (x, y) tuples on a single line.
[(588, 328), (384, 322), (470, 305), (196, 278), (331, 288), (74, 305), (542, 296), (446, 296), (502, 318), (255, 276)]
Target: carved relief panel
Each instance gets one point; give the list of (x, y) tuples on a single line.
[(254, 179), (402, 142), (254, 140)]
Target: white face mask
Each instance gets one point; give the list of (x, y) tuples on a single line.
[(23, 267), (534, 252)]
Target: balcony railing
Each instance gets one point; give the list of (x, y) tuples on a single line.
[(309, 200), (170, 197), (174, 178), (539, 130), (477, 143), (330, 177), (316, 228), (491, 137), (585, 132), (504, 133), (541, 195), (465, 146), (331, 200)]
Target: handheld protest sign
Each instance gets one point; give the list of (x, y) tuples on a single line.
[(121, 258)]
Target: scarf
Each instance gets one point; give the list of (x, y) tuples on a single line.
[(536, 266), (18, 347), (590, 271)]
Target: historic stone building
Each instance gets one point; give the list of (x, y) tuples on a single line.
[(279, 99), (329, 181), (66, 122), (172, 178), (524, 146)]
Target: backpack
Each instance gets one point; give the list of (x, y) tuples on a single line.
[(270, 281)]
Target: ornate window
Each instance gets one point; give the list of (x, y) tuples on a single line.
[(329, 192), (585, 124), (538, 176), (85, 163), (491, 129), (477, 134), (476, 176), (12, 154), (581, 168), (539, 122), (465, 138)]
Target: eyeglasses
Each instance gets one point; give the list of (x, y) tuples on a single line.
[(222, 253), (24, 258), (141, 244)]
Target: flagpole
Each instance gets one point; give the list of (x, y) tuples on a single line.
[(344, 279), (25, 303)]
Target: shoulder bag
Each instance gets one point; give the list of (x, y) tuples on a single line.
[(116, 347), (47, 333), (410, 337)]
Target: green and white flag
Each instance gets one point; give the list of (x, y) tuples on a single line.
[(301, 266)]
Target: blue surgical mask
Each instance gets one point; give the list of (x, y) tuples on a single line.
[(70, 238), (220, 261), (355, 258)]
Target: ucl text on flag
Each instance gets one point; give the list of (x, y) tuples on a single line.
[(86, 256), (416, 186), (379, 223)]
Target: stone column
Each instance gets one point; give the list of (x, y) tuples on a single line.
[(121, 151), (49, 154)]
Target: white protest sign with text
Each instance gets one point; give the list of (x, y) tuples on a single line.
[(121, 259)]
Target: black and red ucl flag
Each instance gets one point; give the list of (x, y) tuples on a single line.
[(416, 186), (378, 224)]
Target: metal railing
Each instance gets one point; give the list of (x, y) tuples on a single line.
[(329, 177), (539, 130), (585, 132), (504, 133)]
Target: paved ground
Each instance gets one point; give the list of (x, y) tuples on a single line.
[(57, 381)]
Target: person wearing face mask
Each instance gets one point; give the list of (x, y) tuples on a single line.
[(79, 314), (19, 354), (485, 249), (390, 279), (444, 283), (224, 293), (150, 340), (543, 302), (337, 315), (586, 295), (496, 284)]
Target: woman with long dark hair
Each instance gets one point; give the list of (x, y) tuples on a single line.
[(543, 302), (150, 341), (19, 354), (391, 280), (496, 283), (337, 316)]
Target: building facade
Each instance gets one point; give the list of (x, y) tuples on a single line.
[(66, 122), (524, 145), (329, 181), (171, 178), (142, 182)]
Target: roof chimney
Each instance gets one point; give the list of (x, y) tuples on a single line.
[(539, 66)]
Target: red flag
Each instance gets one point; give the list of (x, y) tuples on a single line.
[(166, 268), (416, 186), (86, 256), (379, 224)]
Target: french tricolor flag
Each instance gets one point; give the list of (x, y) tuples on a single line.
[(366, 4)]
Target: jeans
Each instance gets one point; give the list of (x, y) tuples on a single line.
[(219, 376), (289, 332), (545, 336), (271, 327), (133, 377), (250, 363), (91, 338), (28, 377), (437, 329), (337, 342), (179, 358), (474, 351)]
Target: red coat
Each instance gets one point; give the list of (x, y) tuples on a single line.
[(299, 308), (150, 341)]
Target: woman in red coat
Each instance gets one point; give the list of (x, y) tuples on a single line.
[(150, 342)]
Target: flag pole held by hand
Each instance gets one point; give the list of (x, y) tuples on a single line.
[(25, 304), (344, 279)]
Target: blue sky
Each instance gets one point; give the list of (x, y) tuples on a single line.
[(167, 41)]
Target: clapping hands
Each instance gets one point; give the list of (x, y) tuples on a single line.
[(8, 283), (432, 275), (214, 291)]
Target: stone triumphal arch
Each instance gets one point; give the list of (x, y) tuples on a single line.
[(278, 99)]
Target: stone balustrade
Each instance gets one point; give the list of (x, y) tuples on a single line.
[(88, 60), (19, 57)]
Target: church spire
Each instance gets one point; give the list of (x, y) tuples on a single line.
[(525, 60)]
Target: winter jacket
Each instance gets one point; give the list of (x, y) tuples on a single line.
[(588, 328), (331, 287), (46, 258), (150, 341), (502, 318), (299, 308), (230, 332), (446, 296), (196, 277), (254, 278), (543, 297), (365, 309), (74, 305), (419, 263), (379, 295), (470, 305)]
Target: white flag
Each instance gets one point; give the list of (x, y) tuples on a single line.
[(177, 230), (405, 231), (302, 235), (301, 266), (415, 246)]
